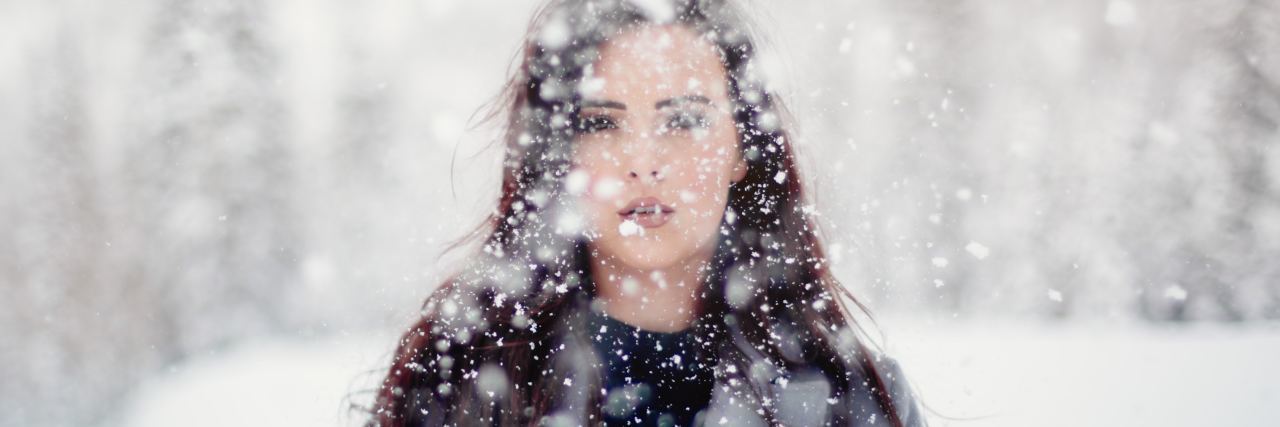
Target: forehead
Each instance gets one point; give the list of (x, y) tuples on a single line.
[(660, 60)]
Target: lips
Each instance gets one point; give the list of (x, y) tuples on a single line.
[(648, 212)]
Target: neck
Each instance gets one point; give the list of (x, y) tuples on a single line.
[(661, 300)]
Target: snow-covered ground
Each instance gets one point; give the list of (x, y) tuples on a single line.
[(1026, 373), (972, 373), (266, 383)]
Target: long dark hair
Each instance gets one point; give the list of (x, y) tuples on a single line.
[(487, 330)]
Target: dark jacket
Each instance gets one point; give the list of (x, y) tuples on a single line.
[(799, 397)]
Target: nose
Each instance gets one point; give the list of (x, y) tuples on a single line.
[(654, 175), (645, 164)]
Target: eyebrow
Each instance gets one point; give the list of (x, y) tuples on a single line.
[(688, 99), (603, 104), (682, 100)]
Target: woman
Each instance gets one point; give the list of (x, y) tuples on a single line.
[(650, 261)]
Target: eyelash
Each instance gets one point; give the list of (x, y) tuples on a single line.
[(596, 123), (687, 121), (679, 121)]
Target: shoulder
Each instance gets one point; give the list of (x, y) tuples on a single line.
[(861, 404), (904, 397)]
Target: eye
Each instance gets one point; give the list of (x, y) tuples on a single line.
[(595, 123), (686, 120)]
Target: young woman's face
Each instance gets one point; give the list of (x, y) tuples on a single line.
[(657, 148)]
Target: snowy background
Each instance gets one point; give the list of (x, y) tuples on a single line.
[(222, 212)]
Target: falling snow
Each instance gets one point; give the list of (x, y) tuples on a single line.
[(267, 193)]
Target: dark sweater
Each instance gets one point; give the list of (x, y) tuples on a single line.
[(652, 378)]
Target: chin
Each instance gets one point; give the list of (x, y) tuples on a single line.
[(651, 256), (661, 248)]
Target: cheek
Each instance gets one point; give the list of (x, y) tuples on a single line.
[(599, 194), (708, 170), (703, 184), (597, 174)]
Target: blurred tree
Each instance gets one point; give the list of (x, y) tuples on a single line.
[(211, 179), (54, 258)]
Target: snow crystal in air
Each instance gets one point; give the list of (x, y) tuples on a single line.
[(977, 250), (606, 187), (738, 290), (630, 228), (555, 34), (569, 223), (622, 401), (630, 285), (657, 277), (1175, 292), (1055, 295), (577, 182), (591, 86), (939, 262), (492, 381), (780, 177), (769, 122)]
